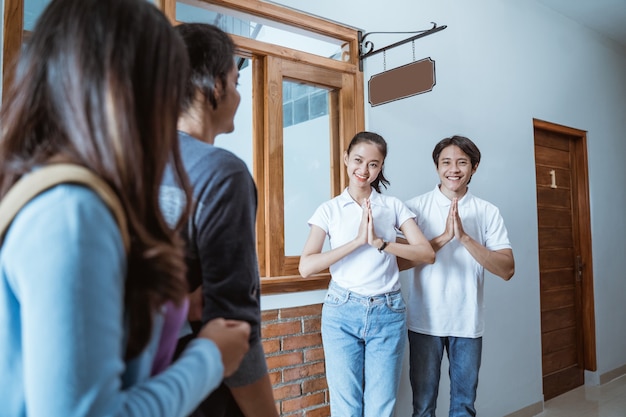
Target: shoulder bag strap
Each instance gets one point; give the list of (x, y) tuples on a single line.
[(36, 182)]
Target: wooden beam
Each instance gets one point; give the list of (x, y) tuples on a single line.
[(168, 7), (13, 29)]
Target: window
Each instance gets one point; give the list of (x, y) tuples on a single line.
[(305, 102), (302, 101)]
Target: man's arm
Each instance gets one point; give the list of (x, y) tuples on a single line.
[(256, 399), (499, 262), (436, 243)]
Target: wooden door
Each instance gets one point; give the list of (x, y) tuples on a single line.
[(568, 346)]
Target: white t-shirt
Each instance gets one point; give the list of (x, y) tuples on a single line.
[(364, 271), (446, 298)]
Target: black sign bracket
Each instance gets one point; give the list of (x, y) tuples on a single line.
[(366, 48)]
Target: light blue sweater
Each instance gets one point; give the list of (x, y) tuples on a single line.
[(62, 338)]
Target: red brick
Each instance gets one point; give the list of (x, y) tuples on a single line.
[(281, 329), (276, 377), (287, 391), (323, 411), (269, 315), (312, 325), (304, 311), (302, 402), (300, 372), (271, 346), (286, 359), (298, 413), (299, 342), (312, 385), (313, 355)]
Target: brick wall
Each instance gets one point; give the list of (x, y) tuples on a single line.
[(293, 348)]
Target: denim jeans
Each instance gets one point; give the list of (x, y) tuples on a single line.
[(364, 339), (464, 355)]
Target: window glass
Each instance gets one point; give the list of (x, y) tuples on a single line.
[(302, 102), (32, 11), (263, 30), (306, 146)]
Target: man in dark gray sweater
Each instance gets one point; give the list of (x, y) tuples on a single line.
[(221, 234)]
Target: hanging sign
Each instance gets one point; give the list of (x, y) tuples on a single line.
[(408, 80)]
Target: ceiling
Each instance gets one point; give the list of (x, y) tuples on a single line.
[(607, 17)]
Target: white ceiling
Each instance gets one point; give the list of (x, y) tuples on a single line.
[(607, 17)]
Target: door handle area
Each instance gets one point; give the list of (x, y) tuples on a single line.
[(579, 268)]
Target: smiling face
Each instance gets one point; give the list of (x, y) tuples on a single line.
[(455, 170), (363, 164)]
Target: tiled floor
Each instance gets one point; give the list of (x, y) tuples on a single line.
[(608, 400)]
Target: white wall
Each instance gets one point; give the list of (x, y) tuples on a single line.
[(499, 64)]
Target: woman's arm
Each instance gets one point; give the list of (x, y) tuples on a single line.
[(313, 260), (68, 268), (415, 249)]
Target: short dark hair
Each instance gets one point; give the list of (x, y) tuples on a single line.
[(465, 144), (377, 140), (211, 55)]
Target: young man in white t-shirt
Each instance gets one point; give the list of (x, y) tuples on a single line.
[(445, 302)]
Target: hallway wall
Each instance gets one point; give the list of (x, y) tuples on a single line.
[(499, 64)]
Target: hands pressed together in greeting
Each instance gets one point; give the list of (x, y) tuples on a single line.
[(454, 228), (499, 262), (415, 249), (367, 233), (454, 225)]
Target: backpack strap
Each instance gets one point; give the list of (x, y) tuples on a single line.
[(39, 180)]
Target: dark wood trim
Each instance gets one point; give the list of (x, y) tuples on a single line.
[(285, 16), (168, 7), (553, 127), (584, 228), (294, 283), (613, 374), (273, 169), (256, 47), (259, 89), (12, 36), (582, 207)]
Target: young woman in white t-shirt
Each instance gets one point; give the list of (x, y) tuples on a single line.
[(364, 316)]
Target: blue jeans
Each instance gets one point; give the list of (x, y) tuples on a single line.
[(425, 353), (364, 339)]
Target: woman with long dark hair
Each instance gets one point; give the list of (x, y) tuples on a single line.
[(98, 85)]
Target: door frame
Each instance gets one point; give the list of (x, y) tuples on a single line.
[(582, 226)]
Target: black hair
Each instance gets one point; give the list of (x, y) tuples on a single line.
[(465, 144), (211, 55)]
